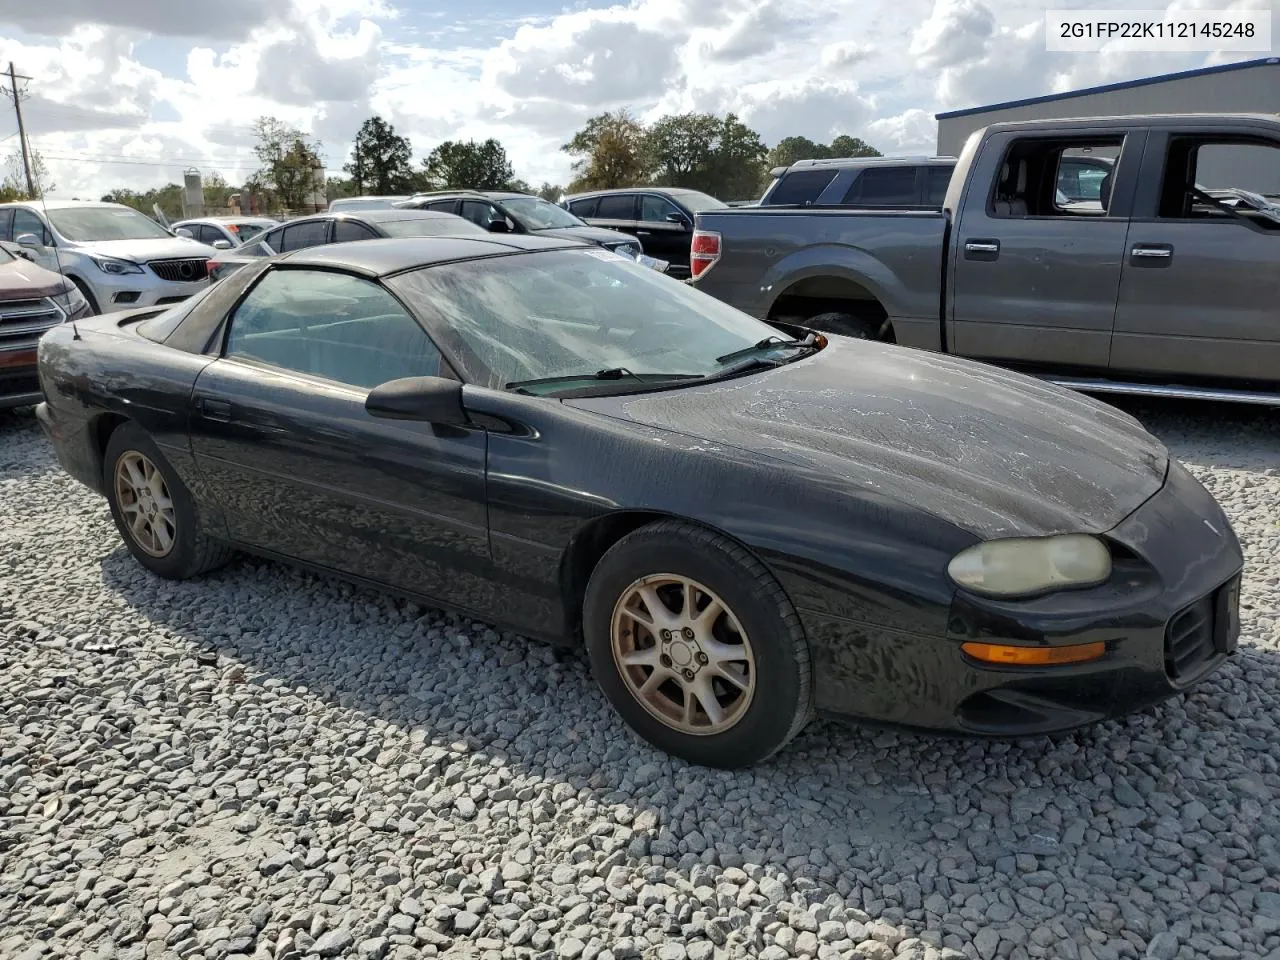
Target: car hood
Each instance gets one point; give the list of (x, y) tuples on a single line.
[(995, 453), (140, 251), (24, 280), (596, 235)]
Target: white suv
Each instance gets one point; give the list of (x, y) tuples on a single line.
[(119, 258)]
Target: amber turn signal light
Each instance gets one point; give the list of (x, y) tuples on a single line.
[(1012, 656)]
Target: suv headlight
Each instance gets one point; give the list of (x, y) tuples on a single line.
[(1022, 567), (114, 266)]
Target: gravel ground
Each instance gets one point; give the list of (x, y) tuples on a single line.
[(266, 764)]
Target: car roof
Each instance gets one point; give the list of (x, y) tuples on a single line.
[(374, 216), (66, 204), (380, 258), (464, 194)]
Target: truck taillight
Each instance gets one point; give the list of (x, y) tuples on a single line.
[(704, 251)]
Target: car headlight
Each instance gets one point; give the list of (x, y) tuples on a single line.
[(1021, 567), (72, 301), (112, 265)]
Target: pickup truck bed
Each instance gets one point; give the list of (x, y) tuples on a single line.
[(1166, 285)]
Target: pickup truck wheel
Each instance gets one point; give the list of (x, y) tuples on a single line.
[(846, 325)]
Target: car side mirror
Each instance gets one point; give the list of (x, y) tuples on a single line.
[(679, 218), (222, 244), (27, 240), (499, 226), (425, 399), (183, 232)]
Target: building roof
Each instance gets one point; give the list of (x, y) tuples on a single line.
[(1111, 87)]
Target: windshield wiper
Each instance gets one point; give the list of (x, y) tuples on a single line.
[(768, 343), (609, 373)]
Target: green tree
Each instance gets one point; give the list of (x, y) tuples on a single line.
[(610, 151), (456, 165), (380, 159), (14, 186), (217, 192), (289, 159), (336, 188), (790, 149), (847, 146), (168, 198), (551, 192), (717, 155)]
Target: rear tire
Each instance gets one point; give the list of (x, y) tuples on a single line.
[(154, 512), (734, 684), (847, 325)]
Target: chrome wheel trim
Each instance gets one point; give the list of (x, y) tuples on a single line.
[(145, 504), (683, 654)]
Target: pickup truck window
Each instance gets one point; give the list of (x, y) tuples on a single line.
[(936, 181), (800, 187), (884, 187), (1215, 179), (1041, 178)]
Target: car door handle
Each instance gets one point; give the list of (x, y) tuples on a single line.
[(983, 249), (212, 409), (643, 233), (1151, 254)]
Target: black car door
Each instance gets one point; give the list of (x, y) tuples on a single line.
[(663, 237), (280, 432)]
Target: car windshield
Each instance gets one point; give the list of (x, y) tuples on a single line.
[(105, 223), (429, 227), (534, 213), (569, 314), (696, 202)]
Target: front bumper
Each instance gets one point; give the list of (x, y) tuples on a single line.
[(128, 291), (1169, 617)]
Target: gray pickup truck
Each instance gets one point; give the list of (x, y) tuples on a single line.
[(1167, 284)]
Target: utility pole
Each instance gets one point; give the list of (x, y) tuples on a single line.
[(14, 77)]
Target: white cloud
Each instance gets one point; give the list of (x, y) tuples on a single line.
[(871, 68)]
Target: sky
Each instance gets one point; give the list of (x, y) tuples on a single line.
[(129, 93)]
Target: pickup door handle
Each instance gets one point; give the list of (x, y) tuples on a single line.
[(1151, 254), (215, 409), (983, 249)]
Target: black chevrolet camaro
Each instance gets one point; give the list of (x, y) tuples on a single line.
[(745, 524)]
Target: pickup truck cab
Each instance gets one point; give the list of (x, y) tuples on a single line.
[(1166, 283)]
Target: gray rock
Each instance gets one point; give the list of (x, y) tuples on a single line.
[(333, 943)]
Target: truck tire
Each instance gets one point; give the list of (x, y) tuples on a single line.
[(846, 325)]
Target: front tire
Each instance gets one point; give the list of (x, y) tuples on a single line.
[(697, 646), (154, 512)]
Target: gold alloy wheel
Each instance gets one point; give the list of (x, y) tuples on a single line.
[(683, 654), (145, 502)]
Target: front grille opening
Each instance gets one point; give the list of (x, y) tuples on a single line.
[(180, 271), (1189, 640)]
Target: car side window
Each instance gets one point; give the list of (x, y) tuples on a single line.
[(883, 187), (345, 230), (1033, 173), (442, 206), (479, 213), (299, 236), (330, 325), (936, 182), (656, 209), (583, 208), (24, 221), (617, 206), (1210, 178), (801, 187)]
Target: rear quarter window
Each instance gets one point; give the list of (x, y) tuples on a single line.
[(800, 187)]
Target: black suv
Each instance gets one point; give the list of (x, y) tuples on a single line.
[(868, 182), (660, 217), (500, 212)]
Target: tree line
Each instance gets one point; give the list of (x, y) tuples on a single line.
[(719, 155)]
